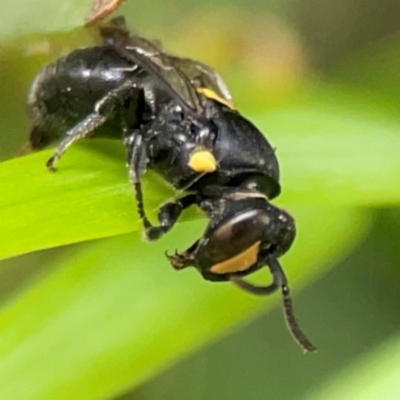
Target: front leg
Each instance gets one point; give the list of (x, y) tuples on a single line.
[(183, 260), (168, 214)]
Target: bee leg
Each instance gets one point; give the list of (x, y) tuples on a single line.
[(103, 108), (137, 164), (169, 212), (183, 260)]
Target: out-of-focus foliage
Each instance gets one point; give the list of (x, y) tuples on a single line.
[(94, 320)]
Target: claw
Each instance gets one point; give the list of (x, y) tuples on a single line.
[(50, 164)]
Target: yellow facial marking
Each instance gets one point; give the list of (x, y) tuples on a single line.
[(210, 94), (202, 161), (240, 262)]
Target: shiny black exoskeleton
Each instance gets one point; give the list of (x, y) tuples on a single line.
[(176, 117)]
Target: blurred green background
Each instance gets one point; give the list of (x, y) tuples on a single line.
[(108, 319)]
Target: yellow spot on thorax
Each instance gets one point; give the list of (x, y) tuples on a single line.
[(210, 94), (202, 161)]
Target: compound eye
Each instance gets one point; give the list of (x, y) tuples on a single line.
[(234, 246)]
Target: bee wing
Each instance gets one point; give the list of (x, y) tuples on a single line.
[(183, 78), (204, 77), (161, 66)]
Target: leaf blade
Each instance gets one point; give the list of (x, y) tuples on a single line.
[(110, 317), (90, 197)]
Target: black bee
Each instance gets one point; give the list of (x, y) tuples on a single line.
[(176, 117)]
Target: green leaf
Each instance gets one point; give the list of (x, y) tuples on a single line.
[(115, 313), (89, 197), (333, 155), (29, 17), (326, 158)]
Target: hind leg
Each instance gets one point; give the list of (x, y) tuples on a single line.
[(102, 110)]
